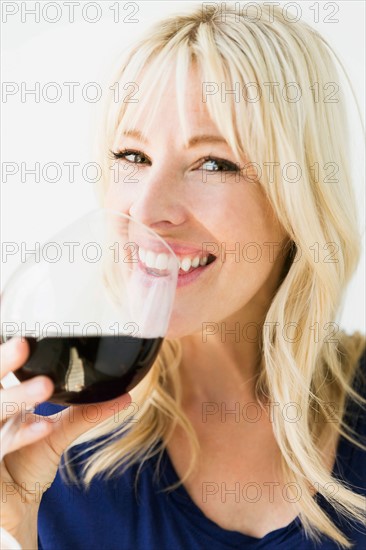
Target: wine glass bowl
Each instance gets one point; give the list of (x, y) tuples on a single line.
[(94, 307)]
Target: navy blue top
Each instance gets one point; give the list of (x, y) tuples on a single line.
[(111, 515)]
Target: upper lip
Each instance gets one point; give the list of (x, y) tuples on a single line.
[(180, 250)]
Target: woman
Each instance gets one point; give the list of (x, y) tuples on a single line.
[(252, 414)]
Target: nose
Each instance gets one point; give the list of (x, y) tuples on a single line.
[(159, 201)]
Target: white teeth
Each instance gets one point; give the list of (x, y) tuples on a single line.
[(172, 263), (142, 254), (196, 261), (185, 264), (161, 261), (150, 259)]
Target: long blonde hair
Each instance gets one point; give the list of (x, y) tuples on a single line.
[(314, 369)]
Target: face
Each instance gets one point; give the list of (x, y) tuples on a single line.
[(211, 215)]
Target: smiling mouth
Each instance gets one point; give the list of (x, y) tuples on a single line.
[(160, 264)]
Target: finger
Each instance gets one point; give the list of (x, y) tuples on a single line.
[(13, 354), (29, 393), (70, 425), (18, 432)]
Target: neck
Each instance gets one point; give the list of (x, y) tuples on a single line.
[(222, 361)]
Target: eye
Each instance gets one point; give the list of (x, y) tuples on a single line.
[(219, 165), (130, 155)]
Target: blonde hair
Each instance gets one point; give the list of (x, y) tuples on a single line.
[(311, 370)]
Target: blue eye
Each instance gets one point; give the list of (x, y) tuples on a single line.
[(220, 165), (213, 164)]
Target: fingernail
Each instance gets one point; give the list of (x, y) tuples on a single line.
[(36, 388)]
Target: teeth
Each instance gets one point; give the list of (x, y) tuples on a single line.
[(142, 254), (172, 263), (163, 261), (185, 264), (196, 261), (150, 259)]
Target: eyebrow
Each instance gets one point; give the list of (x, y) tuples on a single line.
[(195, 140)]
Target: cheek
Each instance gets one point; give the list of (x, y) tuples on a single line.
[(249, 242), (250, 249), (110, 196), (117, 199), (241, 216)]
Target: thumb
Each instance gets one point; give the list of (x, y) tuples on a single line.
[(76, 420)]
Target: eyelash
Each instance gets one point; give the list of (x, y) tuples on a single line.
[(230, 166), (123, 153)]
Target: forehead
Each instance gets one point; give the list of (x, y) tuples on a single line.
[(175, 106)]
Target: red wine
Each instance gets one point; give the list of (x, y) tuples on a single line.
[(90, 369)]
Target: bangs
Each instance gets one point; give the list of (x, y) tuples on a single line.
[(145, 78)]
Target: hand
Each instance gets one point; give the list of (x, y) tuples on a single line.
[(34, 444)]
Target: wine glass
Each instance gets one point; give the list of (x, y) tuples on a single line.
[(94, 305)]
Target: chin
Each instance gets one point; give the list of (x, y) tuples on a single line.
[(180, 326)]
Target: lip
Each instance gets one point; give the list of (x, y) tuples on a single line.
[(184, 279), (180, 250)]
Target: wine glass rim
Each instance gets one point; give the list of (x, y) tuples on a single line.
[(141, 224), (17, 272)]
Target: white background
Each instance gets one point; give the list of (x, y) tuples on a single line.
[(62, 132)]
